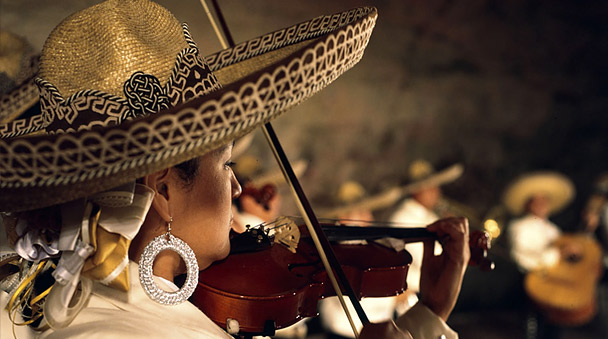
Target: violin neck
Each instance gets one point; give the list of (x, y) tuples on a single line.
[(416, 234)]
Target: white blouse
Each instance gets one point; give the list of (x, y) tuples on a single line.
[(530, 238)]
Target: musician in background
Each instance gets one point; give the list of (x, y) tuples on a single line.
[(533, 198), (595, 214), (419, 209), (545, 255), (355, 208)]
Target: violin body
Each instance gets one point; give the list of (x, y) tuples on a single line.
[(274, 288)]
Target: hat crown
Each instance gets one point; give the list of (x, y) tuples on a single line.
[(102, 46), (115, 61), (350, 191), (420, 169), (247, 166)]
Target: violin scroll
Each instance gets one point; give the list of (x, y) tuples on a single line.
[(479, 244)]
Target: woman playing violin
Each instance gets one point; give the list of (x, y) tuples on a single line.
[(128, 182)]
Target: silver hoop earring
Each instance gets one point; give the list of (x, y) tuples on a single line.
[(168, 242)]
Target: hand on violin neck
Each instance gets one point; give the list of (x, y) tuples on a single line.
[(453, 235), (386, 329), (441, 276)]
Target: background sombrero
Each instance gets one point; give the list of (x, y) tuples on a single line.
[(351, 196), (421, 174), (18, 67), (261, 78), (556, 186)]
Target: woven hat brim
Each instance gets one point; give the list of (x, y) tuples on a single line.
[(442, 177), (556, 186), (43, 170)]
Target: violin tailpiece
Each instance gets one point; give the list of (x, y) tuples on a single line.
[(287, 233)]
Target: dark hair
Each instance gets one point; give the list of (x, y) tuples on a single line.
[(188, 170)]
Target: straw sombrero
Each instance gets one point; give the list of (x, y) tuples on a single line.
[(421, 174), (104, 71), (18, 67), (248, 169), (351, 196), (556, 186)]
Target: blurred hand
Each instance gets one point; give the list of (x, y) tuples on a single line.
[(441, 276), (386, 329), (251, 206)]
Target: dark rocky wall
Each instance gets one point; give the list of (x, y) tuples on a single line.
[(504, 87)]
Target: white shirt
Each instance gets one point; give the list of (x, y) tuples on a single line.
[(333, 317), (530, 238), (412, 214), (419, 320)]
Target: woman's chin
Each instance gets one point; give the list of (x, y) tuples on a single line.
[(225, 252)]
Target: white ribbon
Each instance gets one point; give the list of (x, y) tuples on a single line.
[(57, 310), (123, 215), (71, 263), (126, 220), (33, 245)]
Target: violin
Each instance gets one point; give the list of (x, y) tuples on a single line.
[(285, 277)]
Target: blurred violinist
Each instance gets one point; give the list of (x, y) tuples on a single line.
[(260, 200), (420, 208), (354, 207)]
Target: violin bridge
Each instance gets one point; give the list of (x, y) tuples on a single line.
[(287, 233)]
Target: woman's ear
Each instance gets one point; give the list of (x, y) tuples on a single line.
[(159, 182)]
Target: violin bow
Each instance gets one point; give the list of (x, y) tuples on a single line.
[(321, 242)]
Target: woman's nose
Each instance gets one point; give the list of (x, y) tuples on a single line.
[(236, 187)]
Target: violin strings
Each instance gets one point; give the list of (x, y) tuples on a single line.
[(279, 222), (374, 223)]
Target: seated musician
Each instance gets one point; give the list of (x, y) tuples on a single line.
[(104, 212), (423, 206), (533, 198)]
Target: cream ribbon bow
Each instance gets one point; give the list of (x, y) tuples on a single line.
[(96, 253)]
